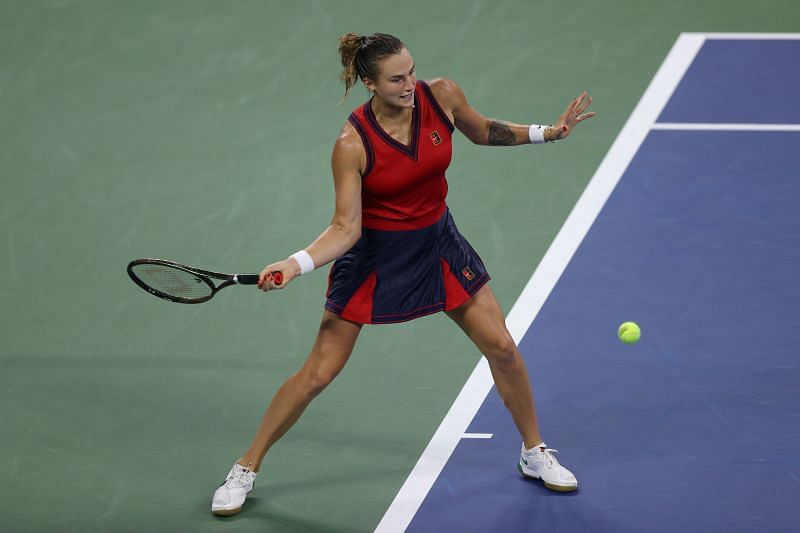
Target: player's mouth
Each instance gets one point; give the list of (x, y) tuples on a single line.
[(408, 97)]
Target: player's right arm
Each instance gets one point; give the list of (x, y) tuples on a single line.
[(348, 162)]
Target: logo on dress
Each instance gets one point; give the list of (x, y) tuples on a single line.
[(468, 273), (435, 138)]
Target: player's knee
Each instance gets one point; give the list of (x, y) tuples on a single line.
[(317, 379), (502, 352)]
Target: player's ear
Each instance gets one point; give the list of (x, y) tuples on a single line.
[(368, 84)]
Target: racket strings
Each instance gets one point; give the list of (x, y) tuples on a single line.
[(172, 281)]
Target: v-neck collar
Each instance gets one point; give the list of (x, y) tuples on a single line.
[(411, 149)]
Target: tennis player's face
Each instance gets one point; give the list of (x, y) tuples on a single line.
[(396, 80)]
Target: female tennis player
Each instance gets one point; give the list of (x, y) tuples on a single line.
[(398, 252)]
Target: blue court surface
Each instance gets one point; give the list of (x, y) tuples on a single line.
[(696, 427)]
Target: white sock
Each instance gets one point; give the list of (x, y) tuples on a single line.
[(540, 445)]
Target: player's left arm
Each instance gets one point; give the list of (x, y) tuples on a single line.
[(488, 131)]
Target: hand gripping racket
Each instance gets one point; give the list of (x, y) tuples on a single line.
[(184, 284)]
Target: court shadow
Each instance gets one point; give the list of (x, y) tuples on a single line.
[(269, 518), (537, 486), (355, 476)]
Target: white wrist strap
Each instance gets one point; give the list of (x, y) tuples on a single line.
[(304, 260), (536, 133)]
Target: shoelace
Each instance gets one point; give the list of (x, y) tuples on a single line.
[(549, 457), (238, 480)]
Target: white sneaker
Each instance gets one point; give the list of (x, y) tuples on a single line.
[(229, 497), (540, 463)]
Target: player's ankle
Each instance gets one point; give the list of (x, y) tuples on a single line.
[(532, 443), (251, 465)]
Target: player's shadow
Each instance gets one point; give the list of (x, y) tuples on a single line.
[(537, 485), (269, 518), (355, 474)]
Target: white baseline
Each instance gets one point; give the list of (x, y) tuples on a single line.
[(724, 127)]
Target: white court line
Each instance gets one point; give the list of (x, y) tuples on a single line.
[(477, 435), (724, 127), (748, 36), (463, 410)]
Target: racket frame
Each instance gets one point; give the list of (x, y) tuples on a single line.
[(205, 275)]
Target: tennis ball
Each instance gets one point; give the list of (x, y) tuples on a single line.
[(629, 332)]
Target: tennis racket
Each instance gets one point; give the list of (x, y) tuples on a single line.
[(184, 284)]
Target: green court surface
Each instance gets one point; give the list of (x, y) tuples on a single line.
[(201, 131)]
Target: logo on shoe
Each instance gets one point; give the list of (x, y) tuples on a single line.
[(524, 461)]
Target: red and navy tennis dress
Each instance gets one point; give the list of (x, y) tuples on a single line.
[(410, 260)]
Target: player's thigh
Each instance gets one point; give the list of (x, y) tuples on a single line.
[(332, 347), (482, 319)]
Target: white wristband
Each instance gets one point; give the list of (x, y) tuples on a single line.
[(304, 260), (536, 133)]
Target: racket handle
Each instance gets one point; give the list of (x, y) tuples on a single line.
[(252, 279)]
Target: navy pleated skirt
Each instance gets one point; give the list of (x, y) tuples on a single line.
[(396, 276)]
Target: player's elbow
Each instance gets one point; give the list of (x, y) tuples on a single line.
[(477, 138), (477, 134), (350, 231), (354, 235)]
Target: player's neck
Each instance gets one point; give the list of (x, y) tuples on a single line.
[(385, 112)]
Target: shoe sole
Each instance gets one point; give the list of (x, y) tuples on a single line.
[(557, 488), (227, 512)]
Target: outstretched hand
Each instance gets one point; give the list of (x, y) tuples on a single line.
[(571, 117)]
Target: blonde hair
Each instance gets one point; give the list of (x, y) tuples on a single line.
[(361, 54)]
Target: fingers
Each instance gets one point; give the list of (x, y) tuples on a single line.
[(571, 107), (271, 278), (577, 106), (576, 111), (263, 280), (578, 101), (579, 112), (583, 104), (271, 282), (581, 107), (262, 277)]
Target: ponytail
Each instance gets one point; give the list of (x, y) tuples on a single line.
[(349, 45)]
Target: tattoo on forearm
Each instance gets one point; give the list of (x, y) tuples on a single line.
[(500, 134)]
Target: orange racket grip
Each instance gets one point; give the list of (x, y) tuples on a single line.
[(277, 278)]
